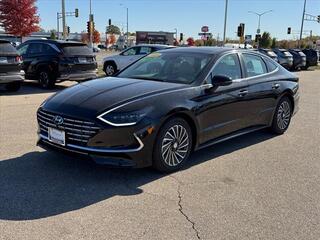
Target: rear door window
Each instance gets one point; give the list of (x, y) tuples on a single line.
[(23, 49), (254, 65), (271, 65)]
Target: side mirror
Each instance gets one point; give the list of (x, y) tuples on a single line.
[(221, 80)]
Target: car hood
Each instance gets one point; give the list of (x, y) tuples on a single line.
[(89, 99)]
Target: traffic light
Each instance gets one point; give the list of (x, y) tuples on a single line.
[(89, 27), (181, 37), (68, 30), (258, 37), (289, 30), (240, 32), (109, 21), (318, 18), (76, 12)]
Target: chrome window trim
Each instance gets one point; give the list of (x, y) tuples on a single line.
[(100, 150), (240, 79)]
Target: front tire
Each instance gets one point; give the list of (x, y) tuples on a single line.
[(173, 145), (13, 86), (282, 116), (110, 69)]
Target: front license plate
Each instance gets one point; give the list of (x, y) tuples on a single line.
[(82, 60), (57, 136)]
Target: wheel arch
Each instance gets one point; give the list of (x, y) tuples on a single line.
[(189, 118)]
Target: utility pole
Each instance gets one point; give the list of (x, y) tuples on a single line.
[(303, 14), (58, 30), (64, 33), (127, 27), (225, 23), (91, 20)]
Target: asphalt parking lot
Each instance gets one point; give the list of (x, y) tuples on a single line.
[(258, 186)]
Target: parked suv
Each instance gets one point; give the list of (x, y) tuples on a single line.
[(11, 74), (50, 61), (269, 53), (299, 59), (285, 58), (312, 58), (115, 63)]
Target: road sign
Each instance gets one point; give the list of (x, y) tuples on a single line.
[(248, 38), (205, 34), (205, 29), (258, 30)]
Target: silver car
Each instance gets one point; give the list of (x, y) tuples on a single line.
[(115, 63)]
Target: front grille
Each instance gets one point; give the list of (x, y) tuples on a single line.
[(78, 132)]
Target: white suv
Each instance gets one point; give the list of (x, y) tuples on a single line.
[(115, 63)]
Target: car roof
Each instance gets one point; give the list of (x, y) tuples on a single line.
[(202, 50), (155, 45), (62, 42)]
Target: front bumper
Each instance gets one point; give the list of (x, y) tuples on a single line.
[(11, 77), (78, 76)]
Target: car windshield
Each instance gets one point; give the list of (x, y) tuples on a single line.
[(287, 54), (174, 67)]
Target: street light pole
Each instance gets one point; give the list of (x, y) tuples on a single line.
[(225, 22), (127, 27), (303, 14), (64, 33), (90, 20), (259, 21)]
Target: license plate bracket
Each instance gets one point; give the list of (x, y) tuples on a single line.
[(57, 136)]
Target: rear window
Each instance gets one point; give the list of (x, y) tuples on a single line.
[(77, 50), (7, 48), (287, 54), (272, 54)]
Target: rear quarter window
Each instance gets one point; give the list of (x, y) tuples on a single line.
[(7, 48), (271, 65)]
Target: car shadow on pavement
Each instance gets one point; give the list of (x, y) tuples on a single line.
[(43, 184), (31, 88)]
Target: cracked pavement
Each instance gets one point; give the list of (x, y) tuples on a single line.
[(258, 186)]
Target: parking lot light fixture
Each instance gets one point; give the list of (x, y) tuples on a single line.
[(259, 15)]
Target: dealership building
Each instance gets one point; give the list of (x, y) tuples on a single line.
[(152, 37)]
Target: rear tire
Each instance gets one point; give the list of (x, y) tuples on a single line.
[(282, 116), (13, 86), (46, 79), (173, 146), (110, 69)]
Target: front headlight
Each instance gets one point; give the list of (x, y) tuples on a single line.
[(122, 119)]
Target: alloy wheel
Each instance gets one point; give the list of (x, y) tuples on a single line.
[(175, 145), (283, 115), (109, 70)]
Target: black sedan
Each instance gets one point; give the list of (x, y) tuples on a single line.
[(160, 109)]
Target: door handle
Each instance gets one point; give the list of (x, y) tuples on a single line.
[(242, 93), (276, 86)]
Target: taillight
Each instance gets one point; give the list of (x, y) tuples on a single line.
[(19, 59)]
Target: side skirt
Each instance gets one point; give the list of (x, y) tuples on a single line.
[(230, 136)]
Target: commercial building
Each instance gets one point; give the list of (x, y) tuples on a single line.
[(153, 37)]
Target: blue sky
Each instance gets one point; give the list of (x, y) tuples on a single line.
[(186, 15)]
